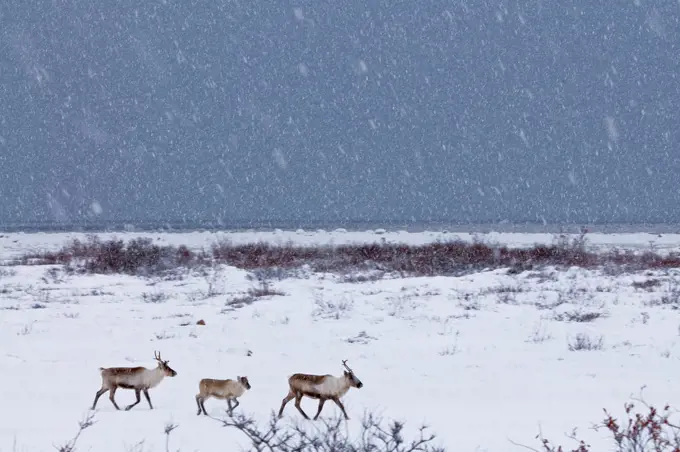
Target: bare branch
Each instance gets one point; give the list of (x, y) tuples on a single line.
[(70, 446), (522, 445), (169, 427), (649, 430), (330, 435)]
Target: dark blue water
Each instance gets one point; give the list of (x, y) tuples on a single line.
[(187, 226)]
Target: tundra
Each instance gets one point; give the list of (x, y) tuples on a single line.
[(137, 378), (321, 387), (221, 389)]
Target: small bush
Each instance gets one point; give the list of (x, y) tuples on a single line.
[(646, 284), (451, 349), (583, 342), (138, 257), (265, 290), (470, 305), (539, 335), (5, 273), (578, 316), (163, 335), (363, 277), (26, 329), (507, 289), (70, 446), (670, 299), (648, 430), (507, 298), (332, 309), (331, 436), (362, 338), (155, 297), (238, 302), (251, 296)]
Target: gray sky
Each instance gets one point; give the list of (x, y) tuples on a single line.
[(320, 110)]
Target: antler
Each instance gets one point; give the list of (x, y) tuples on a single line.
[(157, 355), (344, 363)]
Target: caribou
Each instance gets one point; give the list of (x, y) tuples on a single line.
[(321, 388), (140, 379), (221, 389)]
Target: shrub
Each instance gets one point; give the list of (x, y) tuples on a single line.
[(331, 436), (142, 256), (578, 316), (649, 430), (671, 298), (138, 256), (646, 284), (327, 436), (70, 446), (584, 342), (155, 297), (264, 290)]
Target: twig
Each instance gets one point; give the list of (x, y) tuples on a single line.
[(331, 436), (522, 445), (70, 446), (169, 427)]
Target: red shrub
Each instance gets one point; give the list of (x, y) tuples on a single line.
[(648, 431), (438, 258)]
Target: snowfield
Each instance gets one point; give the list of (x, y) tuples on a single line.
[(484, 359)]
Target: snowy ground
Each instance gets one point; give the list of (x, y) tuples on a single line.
[(483, 359)]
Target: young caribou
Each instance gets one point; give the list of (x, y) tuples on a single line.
[(140, 379), (221, 389), (321, 387)]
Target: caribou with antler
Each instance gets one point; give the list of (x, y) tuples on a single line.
[(320, 387), (140, 379)]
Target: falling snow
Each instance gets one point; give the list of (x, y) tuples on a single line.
[(612, 130), (280, 159), (315, 113), (96, 208)]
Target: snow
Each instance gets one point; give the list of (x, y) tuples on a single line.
[(481, 358), (14, 244)]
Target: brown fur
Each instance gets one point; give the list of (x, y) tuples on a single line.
[(314, 379), (131, 378), (121, 370), (303, 385), (119, 374)]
